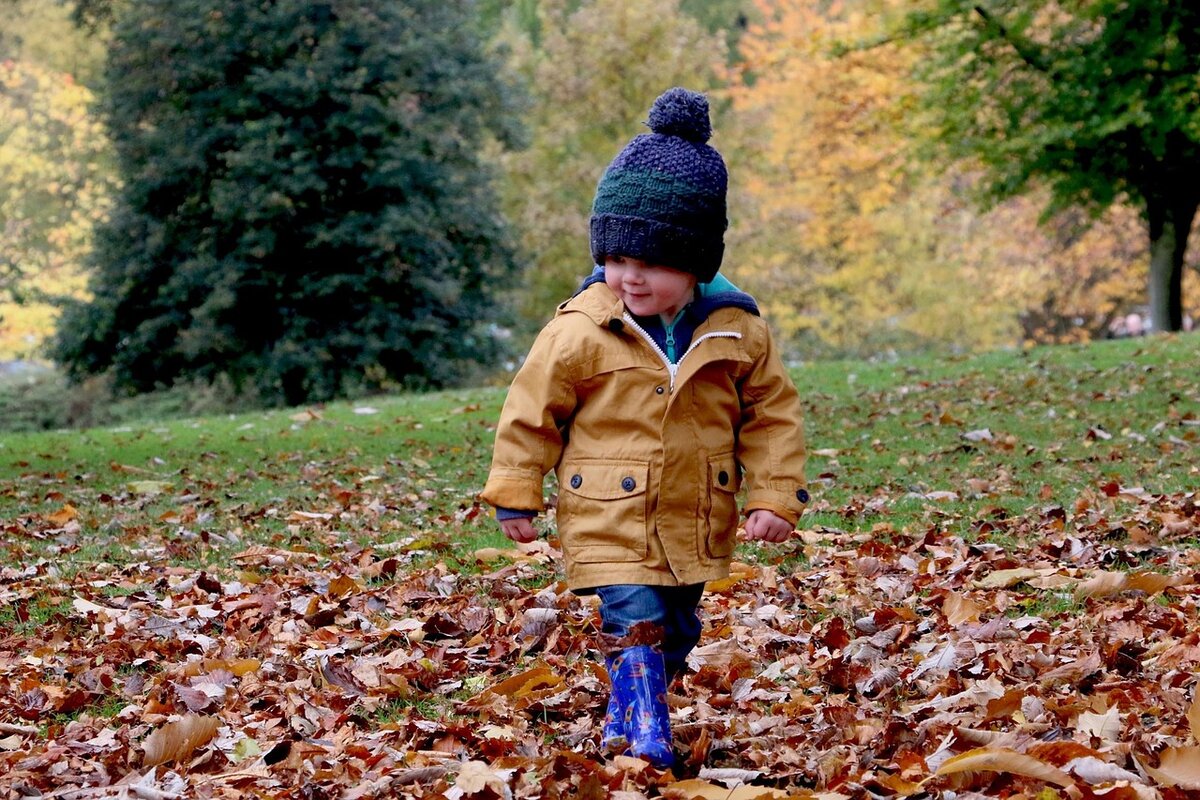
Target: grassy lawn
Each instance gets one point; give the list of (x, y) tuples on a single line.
[(323, 585)]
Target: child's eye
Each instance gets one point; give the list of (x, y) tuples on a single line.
[(617, 259)]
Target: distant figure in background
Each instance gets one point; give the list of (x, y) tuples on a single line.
[(1131, 324), (1134, 325), (649, 393)]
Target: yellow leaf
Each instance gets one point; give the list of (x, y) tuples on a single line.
[(959, 608), (1178, 767), (518, 686), (179, 739), (1106, 726), (1153, 582), (475, 776), (1102, 584), (986, 760), (738, 572), (308, 516), (489, 553), (1004, 578), (696, 789), (343, 586), (239, 667), (64, 515), (1193, 718), (148, 487)]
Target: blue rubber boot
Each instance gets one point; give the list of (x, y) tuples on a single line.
[(639, 676), (612, 736)]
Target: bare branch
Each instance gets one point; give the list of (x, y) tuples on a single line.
[(1023, 48)]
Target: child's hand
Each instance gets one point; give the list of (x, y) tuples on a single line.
[(519, 530), (765, 526)]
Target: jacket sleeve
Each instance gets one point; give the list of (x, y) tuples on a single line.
[(529, 436), (771, 445)]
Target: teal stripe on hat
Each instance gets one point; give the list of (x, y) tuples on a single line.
[(657, 195)]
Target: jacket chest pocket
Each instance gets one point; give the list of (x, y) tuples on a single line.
[(602, 509), (724, 478)]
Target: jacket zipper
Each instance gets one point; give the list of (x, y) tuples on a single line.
[(673, 368)]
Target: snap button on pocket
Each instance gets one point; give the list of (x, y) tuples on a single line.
[(576, 481), (628, 484), (802, 495), (723, 477)]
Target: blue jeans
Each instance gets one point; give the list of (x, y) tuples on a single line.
[(673, 608)]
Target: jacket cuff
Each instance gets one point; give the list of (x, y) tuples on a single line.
[(514, 489), (788, 506)]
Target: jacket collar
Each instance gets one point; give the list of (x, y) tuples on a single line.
[(720, 293), (600, 305)]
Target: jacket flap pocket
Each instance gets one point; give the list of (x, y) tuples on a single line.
[(604, 479), (723, 473), (725, 348)]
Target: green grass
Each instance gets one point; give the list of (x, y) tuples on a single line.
[(24, 618), (1047, 410), (1054, 606), (890, 450)]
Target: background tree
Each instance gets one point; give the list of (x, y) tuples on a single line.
[(850, 249), (305, 209), (1096, 100), (55, 169), (593, 73)]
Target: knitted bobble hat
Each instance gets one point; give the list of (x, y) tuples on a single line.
[(662, 199)]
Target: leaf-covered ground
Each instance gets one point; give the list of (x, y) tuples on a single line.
[(994, 594)]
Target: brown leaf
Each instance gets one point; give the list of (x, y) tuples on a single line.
[(1178, 767), (1102, 584), (984, 760), (940, 661), (1072, 673), (1193, 718), (1097, 771), (64, 515), (179, 739), (239, 667), (1154, 582), (1106, 726), (194, 699), (476, 776), (519, 685), (1004, 578), (959, 608), (696, 789), (343, 586), (340, 675), (879, 681)]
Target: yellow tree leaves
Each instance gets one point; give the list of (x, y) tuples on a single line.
[(54, 180), (845, 234), (820, 135)]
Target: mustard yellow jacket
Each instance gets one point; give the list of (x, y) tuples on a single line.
[(649, 456)]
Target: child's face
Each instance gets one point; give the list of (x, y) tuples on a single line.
[(648, 289)]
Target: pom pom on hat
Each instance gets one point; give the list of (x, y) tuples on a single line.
[(682, 113), (662, 199)]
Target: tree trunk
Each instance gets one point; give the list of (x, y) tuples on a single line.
[(1170, 224)]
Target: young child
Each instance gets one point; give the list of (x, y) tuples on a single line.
[(655, 393)]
